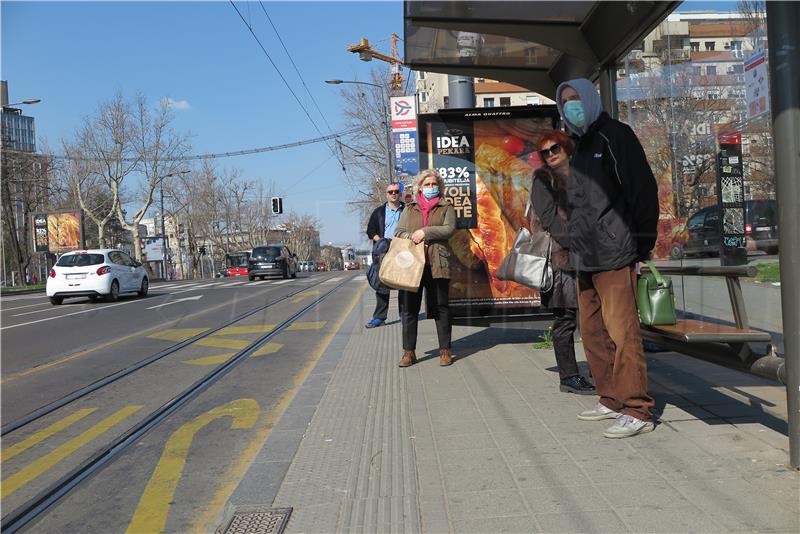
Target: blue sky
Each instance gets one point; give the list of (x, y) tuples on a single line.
[(75, 55)]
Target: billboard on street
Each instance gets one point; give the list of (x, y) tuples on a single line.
[(57, 232), (152, 248)]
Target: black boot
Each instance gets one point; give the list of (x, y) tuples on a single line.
[(577, 384)]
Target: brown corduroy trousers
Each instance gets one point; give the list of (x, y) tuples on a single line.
[(609, 326)]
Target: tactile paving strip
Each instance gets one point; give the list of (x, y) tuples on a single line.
[(259, 521)]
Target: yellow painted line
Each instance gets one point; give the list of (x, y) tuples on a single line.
[(223, 343), (42, 435), (268, 348), (210, 360), (304, 295), (43, 464), (111, 343), (153, 509), (177, 334), (252, 329), (207, 517), (314, 325)]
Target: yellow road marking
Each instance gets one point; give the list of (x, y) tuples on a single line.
[(177, 334), (35, 469), (252, 329), (223, 343), (56, 427), (210, 360), (153, 509), (207, 517), (268, 348), (304, 295), (314, 325)]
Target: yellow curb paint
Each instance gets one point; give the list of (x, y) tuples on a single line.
[(153, 509), (43, 464), (304, 295), (207, 517), (42, 435), (307, 326), (177, 334), (210, 360), (223, 343), (252, 329), (268, 348)]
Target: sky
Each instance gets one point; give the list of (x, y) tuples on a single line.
[(227, 95)]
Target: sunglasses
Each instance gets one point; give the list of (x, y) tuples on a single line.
[(553, 150), (393, 192)]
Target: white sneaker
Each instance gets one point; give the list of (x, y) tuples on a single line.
[(627, 426), (599, 412)]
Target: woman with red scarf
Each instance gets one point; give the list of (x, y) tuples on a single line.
[(428, 218)]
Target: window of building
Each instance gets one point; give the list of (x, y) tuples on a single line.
[(711, 70), (695, 46), (505, 100), (421, 75), (423, 96), (533, 100), (488, 102), (709, 45), (696, 70), (736, 45), (736, 68), (713, 96), (447, 101)]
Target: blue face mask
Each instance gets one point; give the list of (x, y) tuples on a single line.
[(430, 193), (573, 112)]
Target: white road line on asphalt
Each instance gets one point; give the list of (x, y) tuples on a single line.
[(261, 282), (332, 280), (51, 308), (234, 284), (26, 306), (184, 299), (282, 282), (93, 308)]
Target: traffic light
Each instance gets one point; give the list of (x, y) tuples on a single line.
[(277, 205)]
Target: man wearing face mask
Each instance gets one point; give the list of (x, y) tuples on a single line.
[(613, 198)]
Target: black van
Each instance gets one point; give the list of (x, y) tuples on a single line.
[(760, 226), (268, 260)]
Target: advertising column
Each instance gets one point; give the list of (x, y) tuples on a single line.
[(404, 137), (730, 198)]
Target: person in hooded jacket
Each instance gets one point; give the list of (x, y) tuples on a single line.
[(428, 218), (613, 201)]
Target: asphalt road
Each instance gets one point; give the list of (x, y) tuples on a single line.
[(59, 349)]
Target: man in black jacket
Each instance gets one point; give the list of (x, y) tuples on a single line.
[(613, 199), (382, 224)]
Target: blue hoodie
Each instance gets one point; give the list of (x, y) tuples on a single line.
[(592, 107)]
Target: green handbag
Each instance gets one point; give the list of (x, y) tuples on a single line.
[(655, 298)]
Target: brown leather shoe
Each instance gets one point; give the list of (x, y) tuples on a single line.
[(445, 357), (408, 359)]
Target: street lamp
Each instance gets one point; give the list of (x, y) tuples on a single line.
[(163, 227), (27, 102), (385, 122)]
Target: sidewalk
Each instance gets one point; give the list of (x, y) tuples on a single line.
[(490, 445)]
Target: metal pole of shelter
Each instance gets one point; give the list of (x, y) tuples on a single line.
[(783, 19)]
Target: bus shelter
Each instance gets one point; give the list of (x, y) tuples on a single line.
[(652, 75)]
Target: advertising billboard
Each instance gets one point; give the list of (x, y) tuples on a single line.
[(152, 249), (487, 158), (57, 232)]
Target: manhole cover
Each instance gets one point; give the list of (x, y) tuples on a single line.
[(258, 521)]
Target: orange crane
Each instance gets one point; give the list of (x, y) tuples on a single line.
[(366, 53)]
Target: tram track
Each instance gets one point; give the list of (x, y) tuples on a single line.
[(31, 509)]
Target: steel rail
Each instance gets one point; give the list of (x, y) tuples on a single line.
[(26, 513)]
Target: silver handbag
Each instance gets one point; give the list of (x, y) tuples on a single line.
[(528, 261)]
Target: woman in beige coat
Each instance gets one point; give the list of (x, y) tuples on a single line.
[(428, 218)]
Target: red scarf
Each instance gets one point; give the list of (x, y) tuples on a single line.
[(426, 206)]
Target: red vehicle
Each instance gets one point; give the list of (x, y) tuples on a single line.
[(236, 263)]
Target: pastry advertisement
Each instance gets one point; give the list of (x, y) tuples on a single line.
[(486, 157)]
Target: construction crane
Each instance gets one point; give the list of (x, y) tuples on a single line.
[(366, 53)]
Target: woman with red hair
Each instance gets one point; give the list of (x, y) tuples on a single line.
[(551, 213)]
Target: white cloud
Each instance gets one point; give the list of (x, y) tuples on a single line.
[(176, 104)]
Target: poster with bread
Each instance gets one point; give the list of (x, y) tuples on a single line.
[(487, 157)]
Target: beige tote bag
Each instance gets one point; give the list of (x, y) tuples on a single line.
[(401, 267)]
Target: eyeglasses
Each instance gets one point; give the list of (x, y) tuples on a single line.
[(553, 150), (393, 192)]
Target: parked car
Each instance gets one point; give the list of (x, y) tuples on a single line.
[(760, 226), (271, 260), (96, 273), (352, 265)]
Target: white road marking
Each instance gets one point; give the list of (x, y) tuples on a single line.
[(234, 284), (332, 280), (196, 297), (93, 308), (282, 281), (261, 282), (26, 306), (51, 308)]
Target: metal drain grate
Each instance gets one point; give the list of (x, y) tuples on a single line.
[(259, 521)]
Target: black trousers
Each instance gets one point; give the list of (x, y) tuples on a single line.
[(437, 306), (381, 306), (564, 341)]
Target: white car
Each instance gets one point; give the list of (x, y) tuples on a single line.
[(96, 273)]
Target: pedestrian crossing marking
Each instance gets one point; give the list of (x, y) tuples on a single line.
[(268, 348), (177, 334), (332, 280), (314, 325), (282, 281), (210, 360), (251, 329), (223, 343), (304, 295), (51, 430), (46, 462)]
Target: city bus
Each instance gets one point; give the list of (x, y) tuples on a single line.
[(236, 263)]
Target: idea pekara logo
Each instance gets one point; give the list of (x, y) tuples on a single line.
[(455, 143)]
